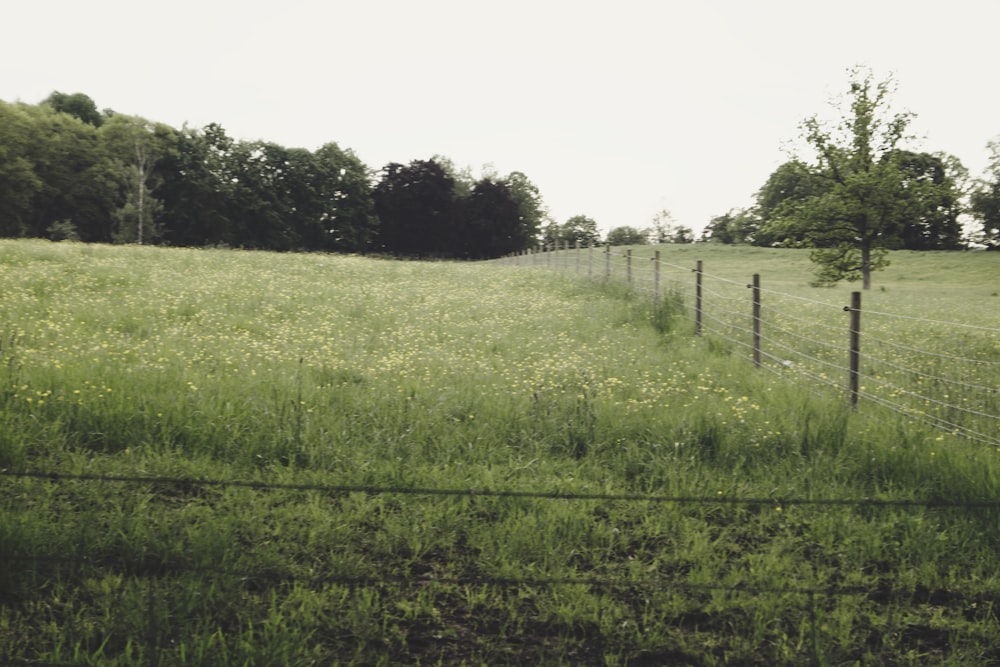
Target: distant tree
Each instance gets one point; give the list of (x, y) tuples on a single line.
[(682, 234), (77, 178), (780, 200), (626, 235), (985, 200), (489, 221), (19, 184), (415, 204), (347, 216), (931, 191), (198, 189), (77, 105), (137, 145), (736, 226), (580, 229), (661, 230), (530, 207), (462, 176)]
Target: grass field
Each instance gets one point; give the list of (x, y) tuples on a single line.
[(217, 457)]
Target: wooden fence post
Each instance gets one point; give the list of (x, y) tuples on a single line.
[(855, 374), (576, 246), (756, 319), (590, 259), (628, 267), (697, 300), (607, 262), (656, 277)]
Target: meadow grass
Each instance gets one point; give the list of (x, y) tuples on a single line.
[(318, 371)]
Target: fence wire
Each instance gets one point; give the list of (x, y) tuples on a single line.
[(805, 338)]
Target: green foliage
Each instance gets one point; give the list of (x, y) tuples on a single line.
[(580, 229), (865, 193), (985, 200), (78, 105), (63, 230), (626, 235), (130, 180), (734, 227)]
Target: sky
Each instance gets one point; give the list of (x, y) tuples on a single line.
[(614, 110)]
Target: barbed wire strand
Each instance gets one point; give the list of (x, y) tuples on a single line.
[(491, 493)]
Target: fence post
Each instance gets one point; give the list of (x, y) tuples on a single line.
[(855, 374), (628, 267), (576, 246), (590, 259), (607, 262), (756, 320), (697, 300), (656, 277)]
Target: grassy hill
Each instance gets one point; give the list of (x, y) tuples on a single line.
[(220, 457)]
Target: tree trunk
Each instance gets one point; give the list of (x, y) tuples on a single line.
[(141, 177), (866, 264)]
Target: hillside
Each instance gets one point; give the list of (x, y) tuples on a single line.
[(219, 457)]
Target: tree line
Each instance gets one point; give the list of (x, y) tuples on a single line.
[(70, 171), (864, 193)]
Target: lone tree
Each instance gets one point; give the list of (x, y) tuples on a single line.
[(860, 212)]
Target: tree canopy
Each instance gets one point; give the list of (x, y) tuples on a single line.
[(985, 201), (626, 235), (70, 171), (864, 193)]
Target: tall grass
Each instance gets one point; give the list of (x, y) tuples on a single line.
[(316, 371)]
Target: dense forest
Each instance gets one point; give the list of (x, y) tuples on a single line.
[(69, 171)]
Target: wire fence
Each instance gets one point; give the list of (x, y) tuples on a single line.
[(156, 570), (892, 361)]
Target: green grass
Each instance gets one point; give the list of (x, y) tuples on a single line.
[(329, 373)]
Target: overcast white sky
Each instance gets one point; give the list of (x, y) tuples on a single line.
[(613, 109)]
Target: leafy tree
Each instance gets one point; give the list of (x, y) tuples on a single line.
[(490, 221), (861, 211), (531, 209), (626, 235), (662, 228), (580, 229), (347, 217), (78, 105), (464, 180), (137, 146), (415, 204), (682, 234), (76, 177), (780, 201), (985, 200), (734, 227), (197, 189), (931, 195), (19, 184)]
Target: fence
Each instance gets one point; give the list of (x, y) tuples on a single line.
[(825, 346), (160, 600)]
